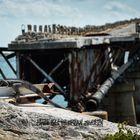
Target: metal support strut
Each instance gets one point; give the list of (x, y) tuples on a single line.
[(47, 76), (95, 100), (16, 84), (8, 62)]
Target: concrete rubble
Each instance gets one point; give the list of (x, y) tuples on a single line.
[(55, 32), (45, 122)]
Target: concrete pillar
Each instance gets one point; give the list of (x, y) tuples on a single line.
[(135, 76), (45, 28), (137, 98), (40, 28), (35, 28), (121, 104), (54, 28), (29, 28)]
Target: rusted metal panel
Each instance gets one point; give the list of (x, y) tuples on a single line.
[(81, 64)]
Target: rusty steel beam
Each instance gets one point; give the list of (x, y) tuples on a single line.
[(91, 73), (96, 99), (2, 74), (55, 68), (11, 55), (46, 75), (8, 62), (16, 84)]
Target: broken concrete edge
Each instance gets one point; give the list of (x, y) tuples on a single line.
[(48, 122)]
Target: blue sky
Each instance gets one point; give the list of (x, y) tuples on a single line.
[(14, 13)]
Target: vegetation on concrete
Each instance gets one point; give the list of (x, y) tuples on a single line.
[(110, 25), (123, 134)]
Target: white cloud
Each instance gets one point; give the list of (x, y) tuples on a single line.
[(121, 9), (13, 13), (36, 9)]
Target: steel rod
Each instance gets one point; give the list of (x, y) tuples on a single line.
[(46, 75), (95, 100), (16, 84), (2, 74), (8, 62), (91, 72), (11, 55), (55, 68)]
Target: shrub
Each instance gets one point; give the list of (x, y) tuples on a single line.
[(123, 134)]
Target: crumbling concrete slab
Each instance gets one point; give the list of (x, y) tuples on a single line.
[(51, 123)]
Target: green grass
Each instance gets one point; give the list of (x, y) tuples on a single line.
[(123, 134)]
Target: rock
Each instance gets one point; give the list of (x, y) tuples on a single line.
[(46, 122)]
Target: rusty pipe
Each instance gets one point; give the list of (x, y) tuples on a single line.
[(94, 101)]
